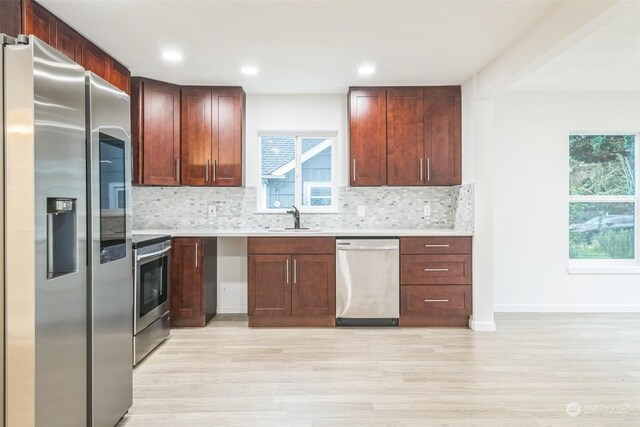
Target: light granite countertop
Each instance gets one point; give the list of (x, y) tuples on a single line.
[(214, 232)]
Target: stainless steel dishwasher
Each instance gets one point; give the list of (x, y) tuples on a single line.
[(367, 282)]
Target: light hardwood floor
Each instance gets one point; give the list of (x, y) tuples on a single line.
[(524, 374)]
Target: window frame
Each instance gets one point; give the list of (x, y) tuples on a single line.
[(608, 266), (261, 198)]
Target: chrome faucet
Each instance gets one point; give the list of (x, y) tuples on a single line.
[(296, 217)]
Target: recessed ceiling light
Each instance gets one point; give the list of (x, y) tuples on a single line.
[(172, 55), (366, 70), (250, 71)]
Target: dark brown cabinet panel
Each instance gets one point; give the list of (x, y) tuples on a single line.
[(405, 136), (96, 60), (368, 137), (186, 281), (435, 269), (196, 136), (212, 136), (227, 136), (314, 288), (442, 124), (435, 300), (435, 245), (156, 132), (269, 285), (40, 22), (193, 281), (11, 12), (291, 281), (120, 76), (69, 42)]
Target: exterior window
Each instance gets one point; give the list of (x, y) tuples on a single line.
[(603, 198), (297, 169)]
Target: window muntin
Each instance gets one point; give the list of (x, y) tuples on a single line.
[(603, 198), (297, 169)]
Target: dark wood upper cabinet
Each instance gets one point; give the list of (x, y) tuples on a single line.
[(405, 136), (120, 76), (442, 124), (414, 138), (227, 112), (269, 285), (313, 286), (39, 22), (155, 120), (96, 60), (212, 136), (196, 136), (68, 41), (11, 12), (368, 137)]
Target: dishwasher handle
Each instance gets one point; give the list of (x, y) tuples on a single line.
[(367, 248)]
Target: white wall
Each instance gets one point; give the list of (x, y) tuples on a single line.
[(295, 113), (530, 207)]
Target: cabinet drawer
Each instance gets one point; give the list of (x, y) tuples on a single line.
[(291, 245), (435, 300), (435, 245), (435, 269)]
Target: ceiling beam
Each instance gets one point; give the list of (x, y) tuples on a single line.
[(565, 25)]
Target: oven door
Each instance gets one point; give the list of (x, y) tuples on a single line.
[(151, 288)]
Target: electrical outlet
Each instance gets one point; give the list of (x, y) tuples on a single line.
[(213, 211), (427, 210), (361, 211)]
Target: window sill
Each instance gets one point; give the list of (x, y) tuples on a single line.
[(609, 269)]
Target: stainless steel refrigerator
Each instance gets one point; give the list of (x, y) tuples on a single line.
[(55, 333)]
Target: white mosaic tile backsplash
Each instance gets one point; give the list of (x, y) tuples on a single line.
[(386, 207)]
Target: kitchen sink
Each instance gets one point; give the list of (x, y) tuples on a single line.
[(294, 230)]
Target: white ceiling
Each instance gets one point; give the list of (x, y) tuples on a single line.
[(608, 59), (302, 46)]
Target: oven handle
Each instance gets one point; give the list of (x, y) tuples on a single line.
[(152, 255)]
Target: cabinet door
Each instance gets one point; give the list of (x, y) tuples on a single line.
[(314, 285), (96, 60), (186, 282), (120, 76), (40, 22), (69, 42), (160, 148), (269, 284), (196, 136), (368, 137), (11, 18), (405, 137), (442, 125), (227, 116)]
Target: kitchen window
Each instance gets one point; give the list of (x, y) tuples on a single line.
[(297, 169), (603, 200)]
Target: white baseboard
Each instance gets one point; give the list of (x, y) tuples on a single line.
[(232, 309), (478, 326), (565, 308)]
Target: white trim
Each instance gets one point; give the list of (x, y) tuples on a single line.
[(593, 268), (478, 326), (566, 308), (282, 170), (232, 309)]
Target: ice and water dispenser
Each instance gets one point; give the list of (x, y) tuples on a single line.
[(62, 237)]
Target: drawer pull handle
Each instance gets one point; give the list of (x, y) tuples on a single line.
[(436, 246), (436, 269), (436, 300)]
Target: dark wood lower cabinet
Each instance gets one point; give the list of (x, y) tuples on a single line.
[(291, 281), (193, 293)]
